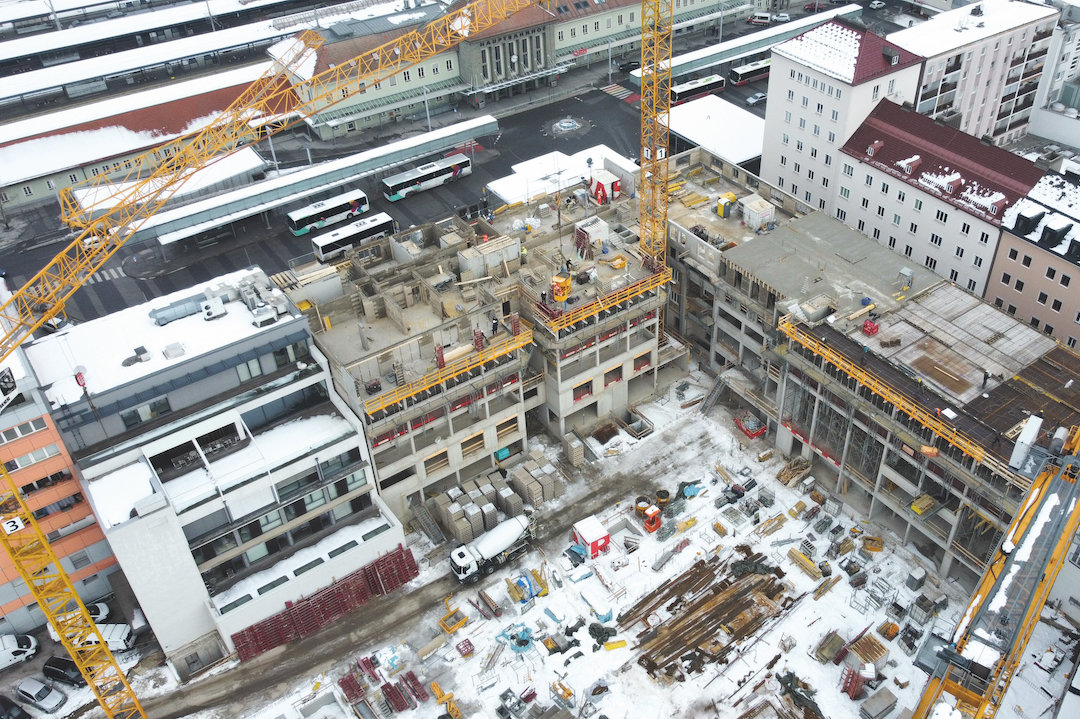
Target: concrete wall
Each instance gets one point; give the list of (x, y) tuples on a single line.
[(1024, 304)]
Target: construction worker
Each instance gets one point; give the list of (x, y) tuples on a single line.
[(494, 327), (524, 254)]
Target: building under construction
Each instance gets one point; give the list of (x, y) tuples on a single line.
[(443, 337), (921, 406)]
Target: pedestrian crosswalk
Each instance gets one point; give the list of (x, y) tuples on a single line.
[(622, 93), (107, 275)]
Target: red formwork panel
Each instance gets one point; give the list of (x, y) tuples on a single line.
[(395, 697), (415, 687), (307, 616), (351, 687)]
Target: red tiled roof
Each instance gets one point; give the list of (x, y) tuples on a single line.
[(980, 175), (852, 54), (166, 120), (874, 62)]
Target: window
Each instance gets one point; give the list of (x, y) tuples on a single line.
[(971, 285), (27, 191), (1042, 298), (998, 302), (805, 101), (145, 413), (877, 92), (869, 180), (420, 72), (790, 95), (959, 251), (808, 196), (1056, 305), (1026, 262), (1050, 273), (810, 174), (848, 170), (794, 189), (796, 167), (977, 262), (877, 233), (1013, 254), (935, 240), (820, 108), (787, 116), (1071, 342), (13, 433), (901, 195), (880, 211), (813, 152), (783, 160), (965, 228), (892, 242), (1035, 322), (799, 145), (841, 215), (449, 64), (862, 225), (832, 137), (835, 115), (1011, 309), (865, 203), (824, 181), (907, 250), (802, 123), (885, 187), (38, 455), (918, 205), (913, 228), (785, 139), (407, 75), (942, 216), (560, 36), (1019, 286), (845, 192), (896, 220), (953, 275), (1065, 280), (249, 369), (1006, 278), (931, 262), (73, 178), (817, 130), (821, 203), (984, 238)]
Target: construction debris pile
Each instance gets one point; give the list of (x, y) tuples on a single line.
[(706, 612)]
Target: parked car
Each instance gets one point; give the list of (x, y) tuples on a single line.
[(98, 611), (40, 695), (629, 65), (63, 670), (814, 6), (11, 710), (781, 17), (756, 99), (759, 18), (15, 648), (876, 4)]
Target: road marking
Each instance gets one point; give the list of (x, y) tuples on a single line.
[(113, 273), (617, 91)]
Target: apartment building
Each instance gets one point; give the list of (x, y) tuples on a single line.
[(983, 66), (1057, 101), (822, 85), (930, 192), (227, 476), (1039, 257), (34, 454)]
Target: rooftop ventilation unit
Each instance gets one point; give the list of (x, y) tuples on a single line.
[(213, 308), (173, 350), (263, 315)]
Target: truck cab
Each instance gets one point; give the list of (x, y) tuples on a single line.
[(462, 563)]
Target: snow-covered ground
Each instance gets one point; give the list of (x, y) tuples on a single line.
[(784, 643)]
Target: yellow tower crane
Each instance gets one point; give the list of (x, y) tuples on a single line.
[(277, 100), (975, 670)]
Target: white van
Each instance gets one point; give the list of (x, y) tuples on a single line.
[(15, 648), (118, 637), (760, 18)]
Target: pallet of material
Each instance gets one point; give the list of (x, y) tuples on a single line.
[(869, 650), (804, 563), (825, 586), (879, 705), (827, 648), (770, 525)]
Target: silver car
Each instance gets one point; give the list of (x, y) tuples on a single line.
[(40, 695)]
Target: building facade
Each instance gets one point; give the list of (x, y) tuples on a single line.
[(224, 470), (822, 85), (34, 454), (1039, 258), (1056, 114), (984, 64), (930, 192)]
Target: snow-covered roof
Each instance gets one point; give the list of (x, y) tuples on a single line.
[(11, 10), (55, 148), (555, 172), (114, 495), (103, 350), (1049, 216), (948, 31), (852, 55), (697, 122), (958, 168)]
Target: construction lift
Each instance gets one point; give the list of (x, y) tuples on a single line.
[(975, 670), (270, 105)]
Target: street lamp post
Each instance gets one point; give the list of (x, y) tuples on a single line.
[(427, 113), (588, 190)]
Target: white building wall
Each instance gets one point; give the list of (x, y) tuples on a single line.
[(955, 244), (810, 115)]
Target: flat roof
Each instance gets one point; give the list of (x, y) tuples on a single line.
[(818, 256), (743, 136), (104, 350), (953, 29)]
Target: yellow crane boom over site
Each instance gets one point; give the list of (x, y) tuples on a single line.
[(975, 670), (279, 99)]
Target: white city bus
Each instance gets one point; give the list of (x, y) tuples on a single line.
[(326, 212), (696, 88), (426, 176), (329, 245)]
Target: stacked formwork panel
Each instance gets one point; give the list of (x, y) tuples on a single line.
[(306, 616)]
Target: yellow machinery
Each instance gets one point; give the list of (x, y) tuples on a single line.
[(560, 287), (277, 102), (454, 619), (446, 699), (976, 669)]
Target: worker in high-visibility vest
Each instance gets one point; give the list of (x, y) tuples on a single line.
[(524, 254)]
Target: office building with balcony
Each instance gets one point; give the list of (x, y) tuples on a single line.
[(984, 63), (227, 476)]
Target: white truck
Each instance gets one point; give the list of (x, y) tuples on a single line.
[(502, 543), (118, 637)]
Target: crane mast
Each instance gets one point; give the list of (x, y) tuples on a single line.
[(656, 23)]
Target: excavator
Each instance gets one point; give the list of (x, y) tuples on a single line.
[(273, 103)]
